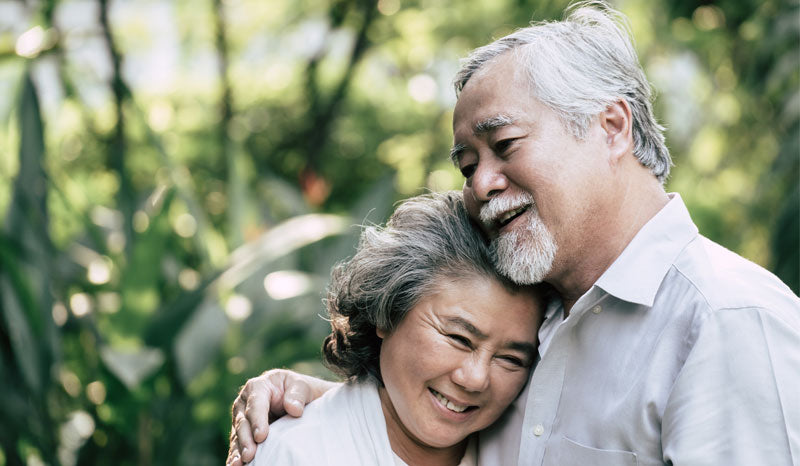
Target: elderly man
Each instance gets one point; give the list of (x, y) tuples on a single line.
[(664, 347)]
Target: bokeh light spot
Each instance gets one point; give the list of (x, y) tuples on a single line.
[(388, 7), (99, 271), (59, 314), (96, 392), (81, 304), (30, 43), (185, 225), (286, 284), (422, 88), (238, 307)]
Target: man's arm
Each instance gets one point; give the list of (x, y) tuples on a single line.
[(735, 400), (268, 396)]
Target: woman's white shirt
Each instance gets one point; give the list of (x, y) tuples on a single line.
[(345, 427)]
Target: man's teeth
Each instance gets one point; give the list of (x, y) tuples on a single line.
[(511, 214), (449, 404)]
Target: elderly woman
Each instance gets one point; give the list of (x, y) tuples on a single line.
[(433, 342)]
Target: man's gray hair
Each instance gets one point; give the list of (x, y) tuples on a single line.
[(578, 67)]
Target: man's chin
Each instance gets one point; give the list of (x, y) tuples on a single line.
[(522, 262)]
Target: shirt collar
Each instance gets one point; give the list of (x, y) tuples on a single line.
[(637, 273)]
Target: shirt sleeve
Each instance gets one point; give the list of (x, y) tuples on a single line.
[(736, 399)]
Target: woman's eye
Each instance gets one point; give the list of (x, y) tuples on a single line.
[(513, 360), (460, 339)]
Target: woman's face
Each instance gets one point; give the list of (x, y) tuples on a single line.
[(457, 360)]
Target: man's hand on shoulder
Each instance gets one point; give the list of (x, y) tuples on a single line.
[(263, 399)]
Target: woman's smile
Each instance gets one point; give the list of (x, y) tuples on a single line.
[(450, 405)]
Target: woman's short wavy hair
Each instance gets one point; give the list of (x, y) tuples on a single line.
[(428, 238)]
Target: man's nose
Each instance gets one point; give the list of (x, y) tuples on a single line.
[(488, 180), (473, 373)]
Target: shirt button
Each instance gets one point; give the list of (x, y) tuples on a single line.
[(538, 430), (597, 309)]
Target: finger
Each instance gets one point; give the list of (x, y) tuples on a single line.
[(247, 447), (233, 458), (238, 408), (233, 451), (237, 411), (297, 395), (257, 412)]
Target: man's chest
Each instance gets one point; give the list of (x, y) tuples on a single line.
[(599, 392)]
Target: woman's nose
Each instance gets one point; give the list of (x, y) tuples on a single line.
[(473, 373)]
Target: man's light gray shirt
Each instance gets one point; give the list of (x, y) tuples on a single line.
[(682, 353)]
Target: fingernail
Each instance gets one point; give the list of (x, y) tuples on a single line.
[(296, 403), (256, 431), (244, 451)]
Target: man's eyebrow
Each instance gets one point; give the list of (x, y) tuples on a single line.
[(468, 326), (492, 123), (482, 127), (456, 151)]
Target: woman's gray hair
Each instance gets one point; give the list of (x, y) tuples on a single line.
[(428, 239), (578, 67)]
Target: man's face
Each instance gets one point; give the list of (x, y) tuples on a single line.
[(531, 184)]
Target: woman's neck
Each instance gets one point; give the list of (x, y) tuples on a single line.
[(409, 448)]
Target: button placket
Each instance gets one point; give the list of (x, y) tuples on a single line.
[(544, 397)]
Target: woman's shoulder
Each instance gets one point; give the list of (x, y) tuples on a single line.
[(329, 429)]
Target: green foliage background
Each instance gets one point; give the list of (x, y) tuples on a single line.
[(177, 178)]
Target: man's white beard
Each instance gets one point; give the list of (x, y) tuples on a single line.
[(526, 253)]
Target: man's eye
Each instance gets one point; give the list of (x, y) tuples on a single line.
[(468, 170), (503, 145)]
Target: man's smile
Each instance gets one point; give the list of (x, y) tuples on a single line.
[(507, 217)]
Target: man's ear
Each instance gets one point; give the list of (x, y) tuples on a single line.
[(617, 124), (381, 333)]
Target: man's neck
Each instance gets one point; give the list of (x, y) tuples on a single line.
[(636, 207)]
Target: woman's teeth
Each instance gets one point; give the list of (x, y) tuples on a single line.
[(449, 404)]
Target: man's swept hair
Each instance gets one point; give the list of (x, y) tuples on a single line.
[(578, 67), (428, 239)]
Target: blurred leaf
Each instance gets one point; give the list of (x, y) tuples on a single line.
[(246, 260), (27, 220), (168, 321), (279, 241), (23, 342), (132, 367), (198, 342)]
